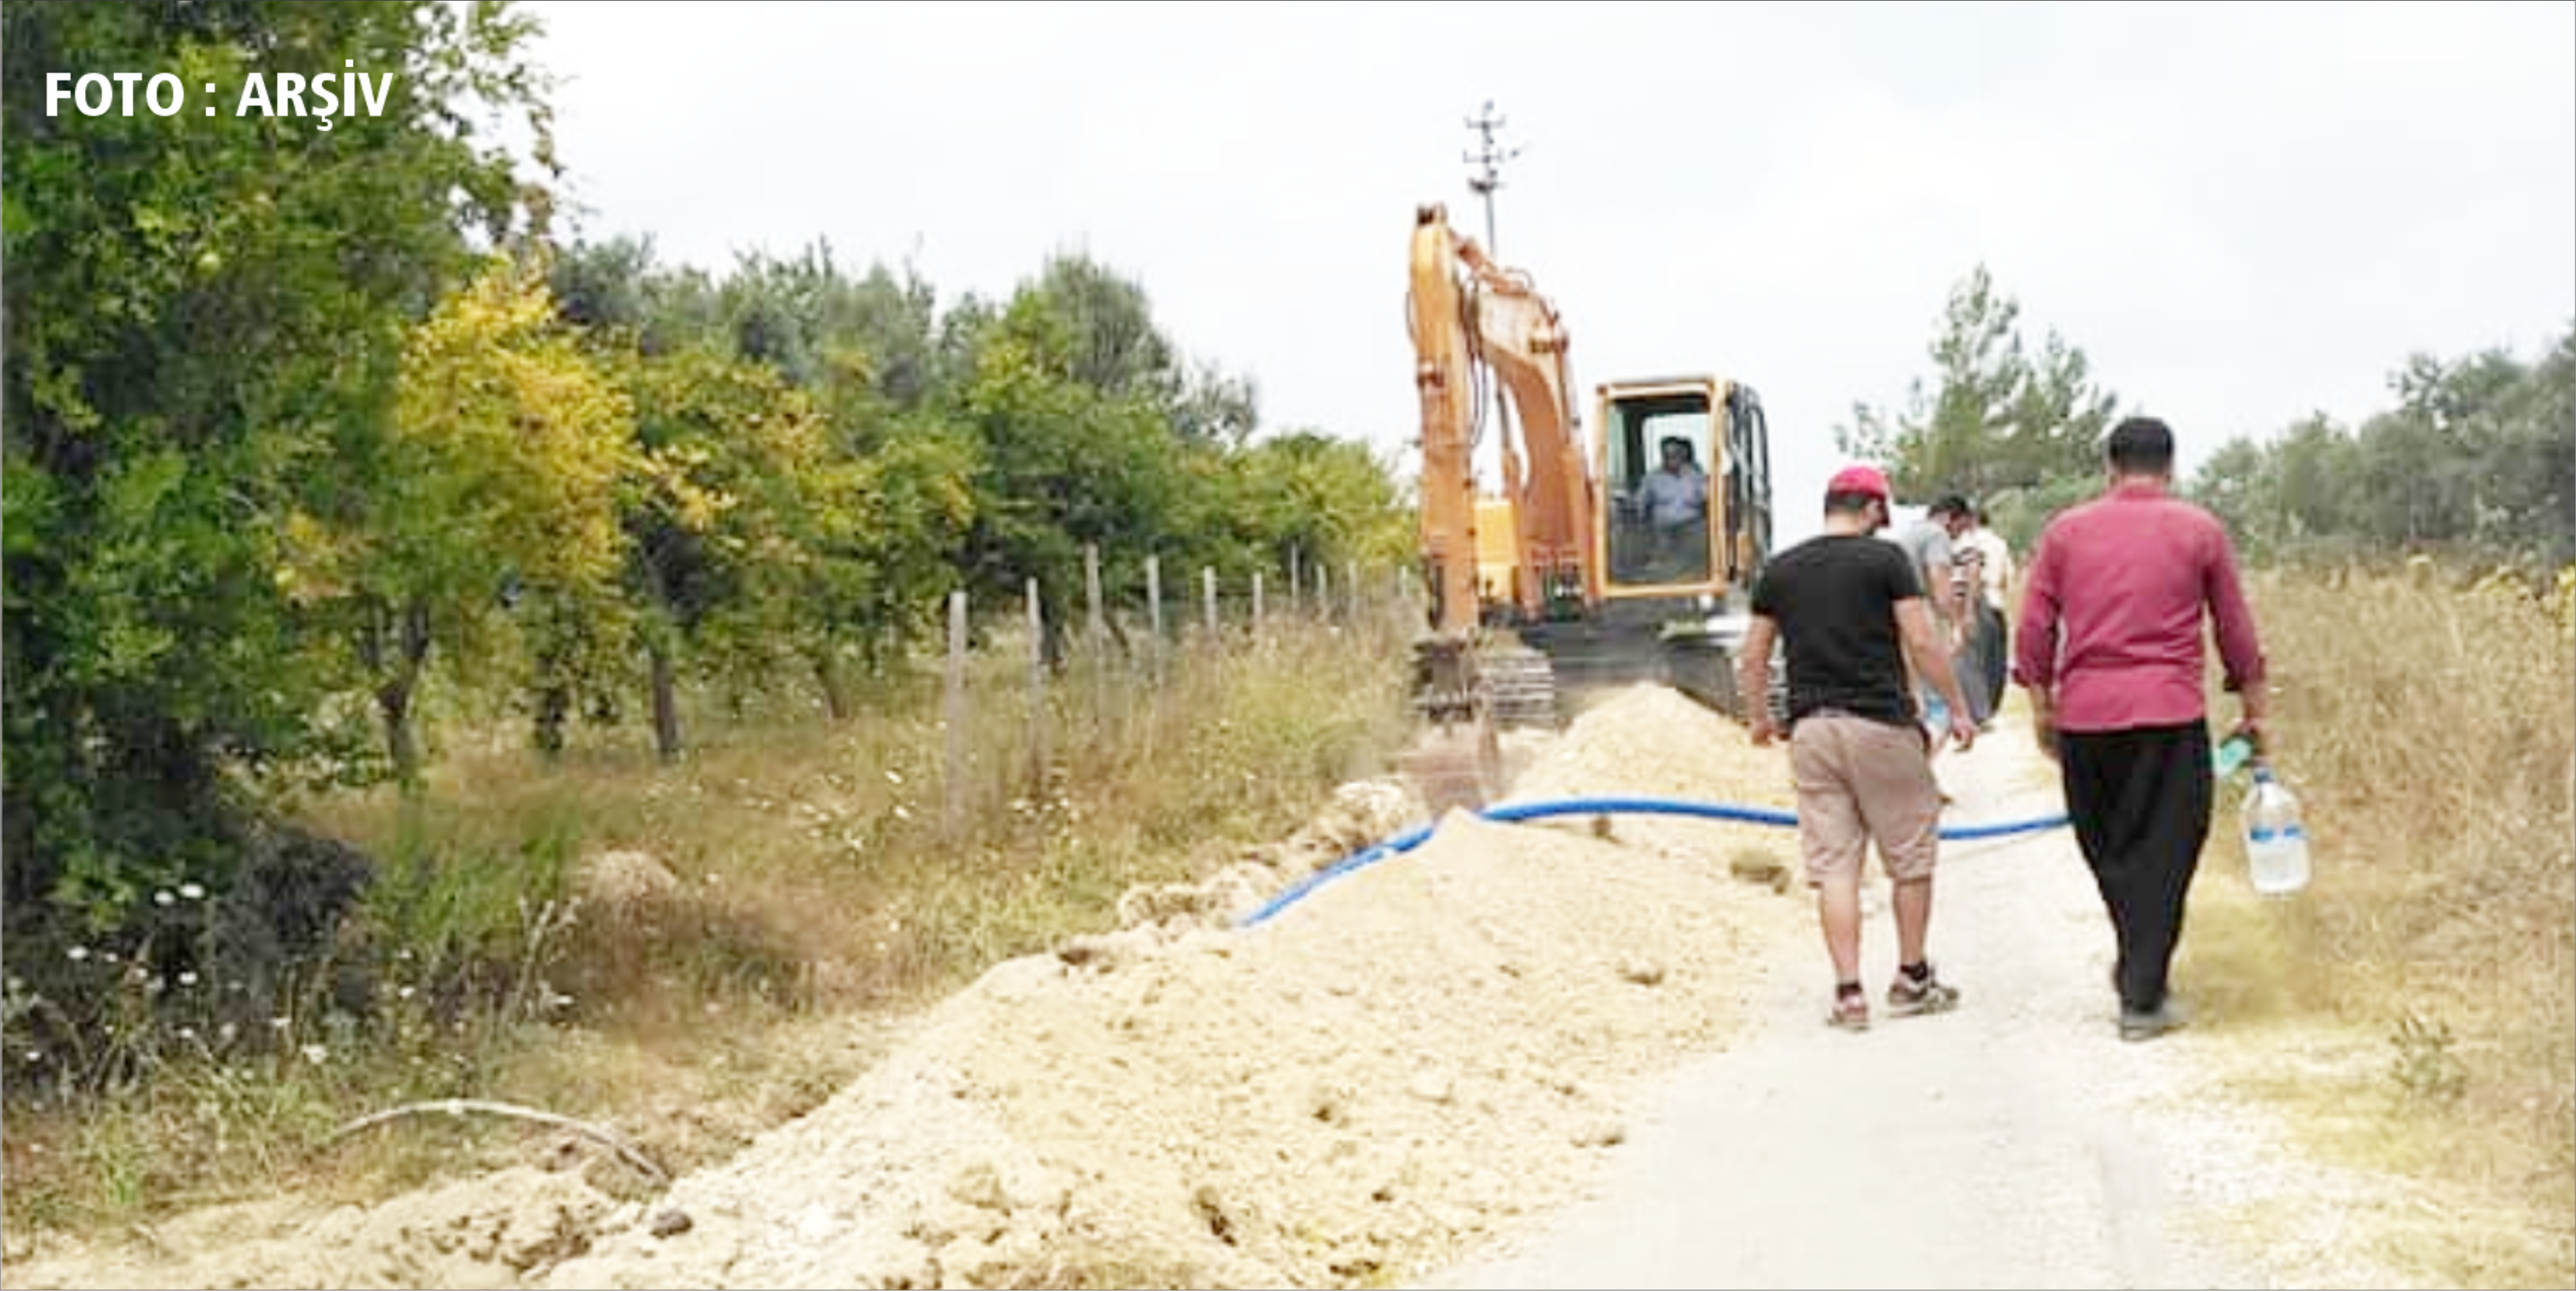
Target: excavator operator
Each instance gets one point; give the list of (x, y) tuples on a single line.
[(1675, 501)]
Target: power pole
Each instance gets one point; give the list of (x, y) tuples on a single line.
[(1489, 159)]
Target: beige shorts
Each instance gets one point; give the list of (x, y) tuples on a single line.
[(1860, 781)]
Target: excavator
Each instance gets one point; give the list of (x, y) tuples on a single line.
[(1603, 560)]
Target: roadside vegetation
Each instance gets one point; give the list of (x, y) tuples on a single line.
[(692, 953), (2418, 999)]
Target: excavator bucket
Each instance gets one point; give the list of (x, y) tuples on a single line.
[(1459, 760), (1702, 667), (1457, 764)]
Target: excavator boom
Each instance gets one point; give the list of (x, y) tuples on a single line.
[(1468, 311)]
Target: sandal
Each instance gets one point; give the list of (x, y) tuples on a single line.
[(1907, 997), (1851, 1012)]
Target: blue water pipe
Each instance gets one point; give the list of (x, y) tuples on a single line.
[(1519, 811)]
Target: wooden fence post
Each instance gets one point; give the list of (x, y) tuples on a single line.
[(1091, 592), (1037, 694), (1154, 611), (956, 777)]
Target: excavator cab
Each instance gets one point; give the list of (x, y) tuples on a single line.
[(1682, 469), (1685, 467)]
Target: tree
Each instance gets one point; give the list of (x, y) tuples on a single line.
[(2239, 485), (2017, 430), (200, 316), (738, 500), (2475, 457), (504, 452)]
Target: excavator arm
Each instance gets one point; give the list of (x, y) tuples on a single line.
[(1466, 309)]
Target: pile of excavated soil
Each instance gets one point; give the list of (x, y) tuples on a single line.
[(1395, 1068), (481, 1234)]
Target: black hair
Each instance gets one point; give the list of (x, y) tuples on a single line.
[(2140, 446), (1849, 502), (1951, 505)]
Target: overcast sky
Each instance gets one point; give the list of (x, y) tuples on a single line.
[(2242, 213)]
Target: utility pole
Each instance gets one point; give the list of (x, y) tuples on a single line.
[(1490, 177), (1489, 159)]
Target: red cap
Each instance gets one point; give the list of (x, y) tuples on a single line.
[(1859, 479)]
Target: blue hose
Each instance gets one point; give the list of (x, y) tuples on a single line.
[(1513, 812)]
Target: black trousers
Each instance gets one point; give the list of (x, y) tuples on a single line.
[(1998, 652), (2140, 803)]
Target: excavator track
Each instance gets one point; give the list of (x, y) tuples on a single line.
[(1520, 687)]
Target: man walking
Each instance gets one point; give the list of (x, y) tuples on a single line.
[(1932, 544), (2111, 654), (1850, 610), (1994, 633)]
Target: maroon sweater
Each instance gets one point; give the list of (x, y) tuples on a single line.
[(2111, 615)]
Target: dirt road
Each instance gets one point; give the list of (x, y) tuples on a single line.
[(2014, 1142)]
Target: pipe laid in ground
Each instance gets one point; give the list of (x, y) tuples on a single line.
[(1512, 812)]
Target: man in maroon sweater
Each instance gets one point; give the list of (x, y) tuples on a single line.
[(2111, 654)]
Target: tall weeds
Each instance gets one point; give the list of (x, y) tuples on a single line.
[(2428, 725), (602, 930)]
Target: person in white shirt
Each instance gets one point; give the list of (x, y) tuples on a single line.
[(1994, 630)]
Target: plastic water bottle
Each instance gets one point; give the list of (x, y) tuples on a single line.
[(2276, 847)]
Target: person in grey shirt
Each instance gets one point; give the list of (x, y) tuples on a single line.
[(1932, 544), (1675, 501)]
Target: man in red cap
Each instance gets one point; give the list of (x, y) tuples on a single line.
[(1850, 611)]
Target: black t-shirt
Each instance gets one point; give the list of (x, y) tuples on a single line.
[(1834, 598)]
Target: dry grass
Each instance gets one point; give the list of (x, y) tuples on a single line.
[(2423, 987), (808, 889)]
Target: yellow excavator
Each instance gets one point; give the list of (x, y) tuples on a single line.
[(1623, 556)]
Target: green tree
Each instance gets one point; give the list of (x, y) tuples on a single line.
[(505, 451), (202, 315), (2016, 430), (1061, 465), (2475, 457), (739, 501), (2240, 485)]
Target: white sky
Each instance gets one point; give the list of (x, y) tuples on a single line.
[(2242, 213)]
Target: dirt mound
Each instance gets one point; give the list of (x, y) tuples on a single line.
[(491, 1232), (1395, 1067)]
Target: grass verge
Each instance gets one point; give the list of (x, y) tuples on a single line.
[(2423, 987), (688, 952)]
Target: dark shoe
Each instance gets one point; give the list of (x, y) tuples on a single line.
[(2136, 1025), (1907, 997)]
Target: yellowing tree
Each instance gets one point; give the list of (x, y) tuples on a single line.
[(495, 477)]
